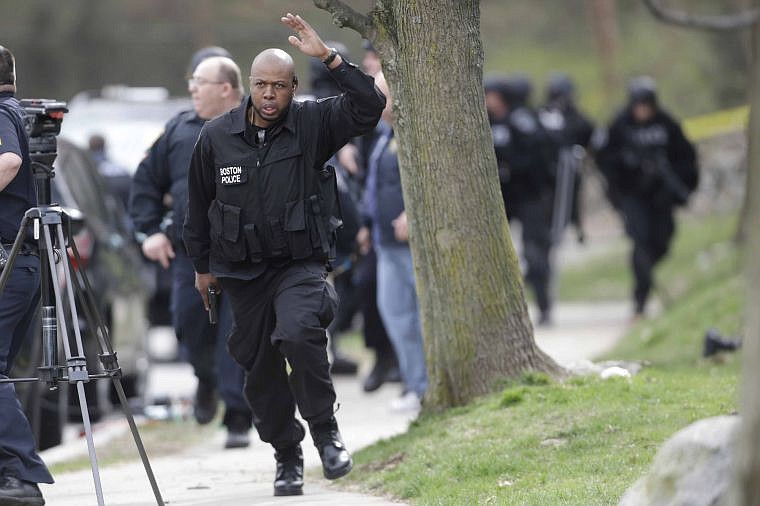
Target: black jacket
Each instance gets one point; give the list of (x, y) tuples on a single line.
[(248, 204), (525, 156), (566, 126), (652, 161), (164, 170)]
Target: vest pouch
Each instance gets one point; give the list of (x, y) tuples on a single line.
[(297, 234), (255, 251), (328, 190), (224, 222), (275, 239)]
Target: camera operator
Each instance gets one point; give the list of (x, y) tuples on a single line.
[(650, 168), (21, 469), (215, 86), (260, 223)]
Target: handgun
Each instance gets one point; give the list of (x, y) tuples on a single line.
[(213, 304)]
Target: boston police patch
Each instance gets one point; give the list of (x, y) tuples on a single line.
[(232, 175)]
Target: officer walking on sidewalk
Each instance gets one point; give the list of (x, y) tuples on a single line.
[(261, 225), (215, 86)]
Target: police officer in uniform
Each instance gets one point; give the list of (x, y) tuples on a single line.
[(21, 469), (215, 86), (650, 168), (567, 127), (260, 225), (525, 157)]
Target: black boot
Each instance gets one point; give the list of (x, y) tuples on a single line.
[(18, 492), (336, 461), (289, 477), (206, 401), (385, 370)]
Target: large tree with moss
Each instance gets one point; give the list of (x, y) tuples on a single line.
[(474, 316)]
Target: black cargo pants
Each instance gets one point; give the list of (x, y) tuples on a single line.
[(281, 316), (651, 230)]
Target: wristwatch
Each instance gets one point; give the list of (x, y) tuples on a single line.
[(330, 57)]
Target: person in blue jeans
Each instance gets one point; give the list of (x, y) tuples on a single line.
[(387, 230)]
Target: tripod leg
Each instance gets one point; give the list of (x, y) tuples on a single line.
[(90, 442), (86, 297), (138, 440), (76, 366)]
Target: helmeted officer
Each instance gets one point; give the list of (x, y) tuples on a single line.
[(215, 86), (261, 220), (21, 469), (650, 168), (525, 158), (569, 129)]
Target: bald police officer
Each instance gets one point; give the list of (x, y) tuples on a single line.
[(260, 225)]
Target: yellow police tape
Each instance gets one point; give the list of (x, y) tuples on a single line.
[(726, 121)]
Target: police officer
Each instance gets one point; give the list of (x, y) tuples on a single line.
[(21, 469), (215, 86), (650, 169), (525, 158), (570, 130), (261, 219)]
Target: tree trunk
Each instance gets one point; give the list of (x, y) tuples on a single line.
[(606, 34), (748, 458), (744, 230), (475, 320)]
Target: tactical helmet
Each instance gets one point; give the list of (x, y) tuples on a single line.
[(559, 87), (642, 90)]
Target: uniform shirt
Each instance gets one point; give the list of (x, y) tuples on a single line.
[(164, 170), (309, 134), (19, 195)]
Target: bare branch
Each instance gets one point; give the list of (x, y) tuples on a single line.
[(740, 20), (345, 16)]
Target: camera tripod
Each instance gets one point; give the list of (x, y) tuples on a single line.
[(50, 226)]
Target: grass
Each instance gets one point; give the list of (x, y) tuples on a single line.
[(584, 441), (701, 244), (159, 437)]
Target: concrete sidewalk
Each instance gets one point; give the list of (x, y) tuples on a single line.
[(210, 476)]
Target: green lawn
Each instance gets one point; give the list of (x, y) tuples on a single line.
[(701, 244), (586, 441)]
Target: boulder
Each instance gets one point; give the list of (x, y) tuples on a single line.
[(693, 468)]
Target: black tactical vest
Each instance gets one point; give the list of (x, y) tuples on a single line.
[(268, 207)]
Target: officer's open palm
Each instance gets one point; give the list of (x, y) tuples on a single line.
[(308, 40)]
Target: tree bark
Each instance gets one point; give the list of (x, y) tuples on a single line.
[(474, 316), (606, 34), (748, 449)]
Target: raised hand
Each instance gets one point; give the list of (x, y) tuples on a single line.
[(308, 40)]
